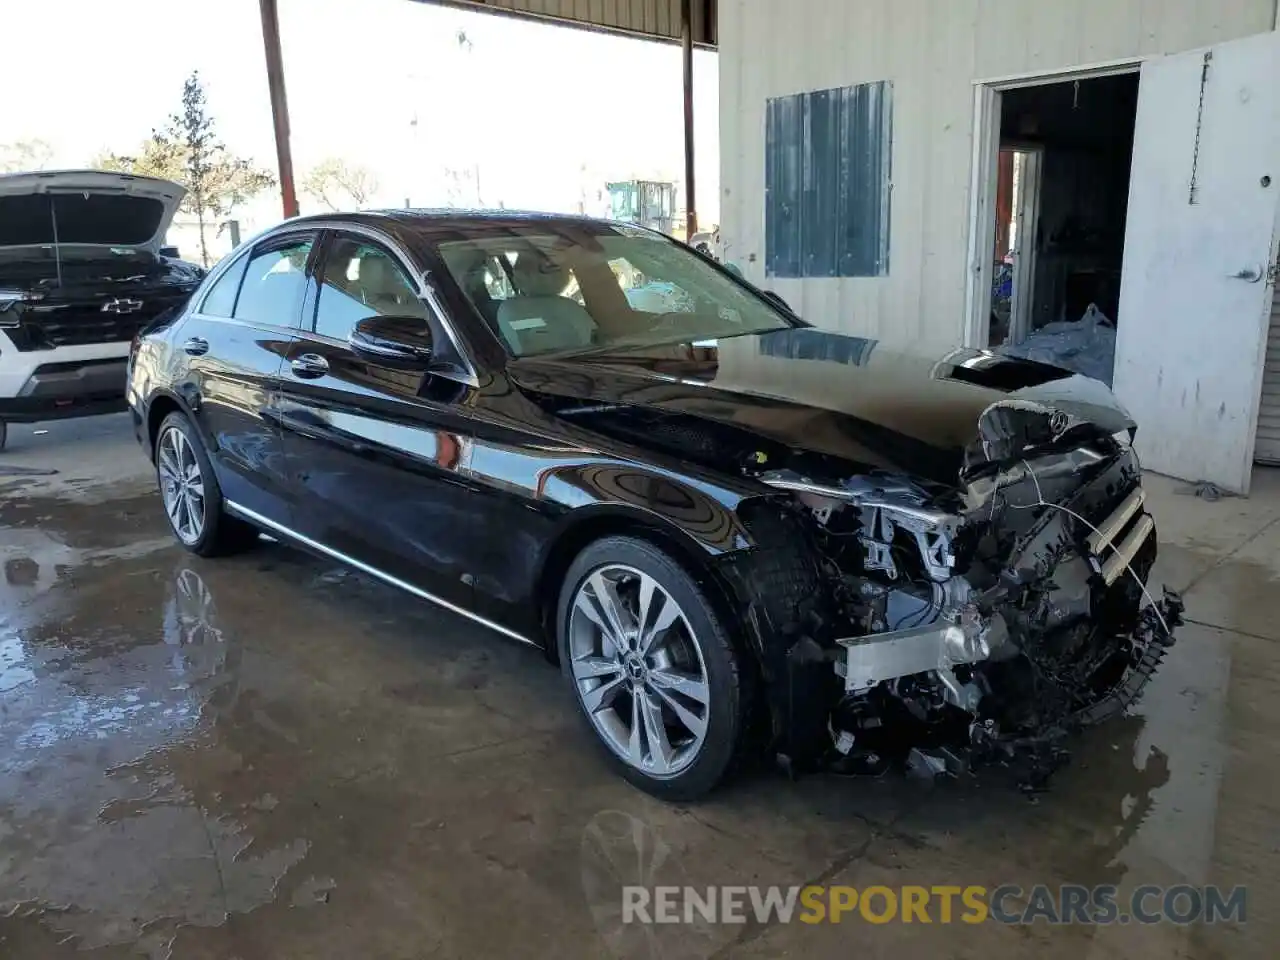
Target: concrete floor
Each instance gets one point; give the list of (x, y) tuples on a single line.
[(270, 757)]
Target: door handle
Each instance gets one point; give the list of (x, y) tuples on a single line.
[(1248, 274), (196, 346), (309, 366)]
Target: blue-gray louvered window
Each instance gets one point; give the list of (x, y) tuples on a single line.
[(827, 182)]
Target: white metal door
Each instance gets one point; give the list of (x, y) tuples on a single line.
[(1267, 449), (1027, 216), (1194, 296)]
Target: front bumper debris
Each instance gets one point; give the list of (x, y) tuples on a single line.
[(1114, 557), (1034, 756), (1035, 751), (939, 646), (1149, 643)]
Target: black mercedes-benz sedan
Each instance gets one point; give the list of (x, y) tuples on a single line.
[(734, 532)]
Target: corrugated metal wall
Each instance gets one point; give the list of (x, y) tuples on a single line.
[(931, 51), (657, 19), (827, 168), (1268, 445)]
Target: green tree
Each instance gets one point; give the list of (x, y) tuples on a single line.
[(187, 150), (339, 184), (156, 157)]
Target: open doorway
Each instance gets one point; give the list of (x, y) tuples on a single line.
[(1061, 187)]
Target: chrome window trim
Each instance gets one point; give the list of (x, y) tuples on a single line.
[(243, 251), (241, 322), (323, 338), (274, 527), (215, 277)]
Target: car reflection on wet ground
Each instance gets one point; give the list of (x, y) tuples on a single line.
[(268, 756)]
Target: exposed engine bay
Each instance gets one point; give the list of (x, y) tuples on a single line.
[(904, 622), (987, 624)]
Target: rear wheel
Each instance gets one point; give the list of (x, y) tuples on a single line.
[(652, 667), (192, 498)]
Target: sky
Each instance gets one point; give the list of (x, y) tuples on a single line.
[(431, 99)]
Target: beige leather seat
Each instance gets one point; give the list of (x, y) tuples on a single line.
[(382, 286), (539, 319)]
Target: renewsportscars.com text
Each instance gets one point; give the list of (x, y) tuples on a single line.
[(1008, 903)]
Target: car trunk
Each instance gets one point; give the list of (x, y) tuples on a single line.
[(79, 257)]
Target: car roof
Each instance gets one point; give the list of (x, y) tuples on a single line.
[(455, 215), (437, 225)]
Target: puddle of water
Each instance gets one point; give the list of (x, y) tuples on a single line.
[(101, 840), (12, 658)]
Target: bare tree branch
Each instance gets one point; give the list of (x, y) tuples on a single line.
[(33, 154), (339, 184)]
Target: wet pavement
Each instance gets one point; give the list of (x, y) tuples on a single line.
[(268, 756)]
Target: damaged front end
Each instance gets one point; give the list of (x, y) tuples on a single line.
[(949, 627)]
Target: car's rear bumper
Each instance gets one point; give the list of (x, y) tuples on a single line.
[(71, 388)]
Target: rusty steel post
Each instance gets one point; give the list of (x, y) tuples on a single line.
[(279, 104), (686, 49)]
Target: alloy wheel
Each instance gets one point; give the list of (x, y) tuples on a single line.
[(639, 670), (181, 485)]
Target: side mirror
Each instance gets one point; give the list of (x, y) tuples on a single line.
[(171, 252), (734, 269), (400, 342)]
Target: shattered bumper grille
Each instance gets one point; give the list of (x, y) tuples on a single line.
[(1119, 537)]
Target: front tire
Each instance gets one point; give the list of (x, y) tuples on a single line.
[(192, 498), (652, 667)]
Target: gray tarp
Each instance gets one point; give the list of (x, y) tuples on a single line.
[(1086, 346)]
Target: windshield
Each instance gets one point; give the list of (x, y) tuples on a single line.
[(573, 286)]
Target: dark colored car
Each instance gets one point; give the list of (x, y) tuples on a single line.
[(733, 531), (82, 271)]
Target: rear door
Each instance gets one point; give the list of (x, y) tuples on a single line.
[(236, 343), (1199, 255), (377, 454)]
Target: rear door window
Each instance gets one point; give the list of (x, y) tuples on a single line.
[(220, 301), (274, 281)]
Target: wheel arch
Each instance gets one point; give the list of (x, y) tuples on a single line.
[(160, 406), (586, 526), (164, 402)]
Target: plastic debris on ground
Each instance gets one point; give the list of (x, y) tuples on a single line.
[(1205, 490), (1086, 346)]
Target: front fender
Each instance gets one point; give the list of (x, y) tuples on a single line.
[(703, 513)]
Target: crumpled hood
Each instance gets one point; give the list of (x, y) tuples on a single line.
[(844, 396)]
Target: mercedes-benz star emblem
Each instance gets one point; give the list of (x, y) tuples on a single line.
[(1058, 423), (121, 305)]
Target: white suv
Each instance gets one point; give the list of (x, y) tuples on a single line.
[(82, 271)]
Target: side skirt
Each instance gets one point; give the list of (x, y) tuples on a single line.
[(271, 526)]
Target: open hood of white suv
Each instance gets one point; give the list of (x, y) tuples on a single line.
[(86, 208)]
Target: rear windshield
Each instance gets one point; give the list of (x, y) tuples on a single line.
[(97, 218)]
